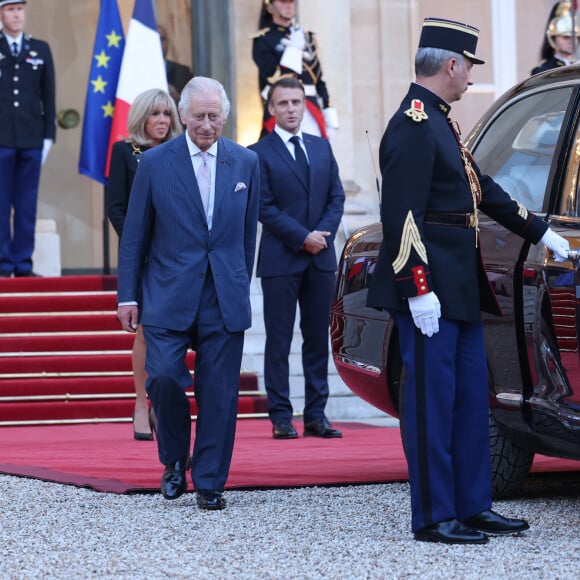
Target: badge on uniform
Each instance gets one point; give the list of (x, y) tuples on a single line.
[(417, 111)]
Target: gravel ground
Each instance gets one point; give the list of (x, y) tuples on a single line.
[(56, 531)]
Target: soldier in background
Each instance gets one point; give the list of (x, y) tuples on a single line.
[(283, 48), (561, 39), (27, 131), (178, 75)]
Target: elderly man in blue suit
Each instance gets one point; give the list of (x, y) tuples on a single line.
[(185, 264), (301, 204)]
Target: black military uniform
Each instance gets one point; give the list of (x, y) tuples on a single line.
[(548, 64), (429, 194), (27, 118), (267, 51), (424, 186)]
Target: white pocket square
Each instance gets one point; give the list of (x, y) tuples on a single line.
[(240, 186)]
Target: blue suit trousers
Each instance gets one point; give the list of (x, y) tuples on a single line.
[(312, 291), (445, 421), (216, 380)]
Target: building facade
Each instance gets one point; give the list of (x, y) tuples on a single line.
[(367, 49)]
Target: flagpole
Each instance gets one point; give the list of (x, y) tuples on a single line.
[(106, 241)]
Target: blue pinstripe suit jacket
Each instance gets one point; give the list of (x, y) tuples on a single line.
[(166, 246)]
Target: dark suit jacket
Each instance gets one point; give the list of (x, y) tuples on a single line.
[(28, 116), (178, 75), (291, 208), (124, 163), (167, 248)]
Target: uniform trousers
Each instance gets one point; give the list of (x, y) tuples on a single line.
[(312, 290), (19, 180), (444, 423), (216, 382)]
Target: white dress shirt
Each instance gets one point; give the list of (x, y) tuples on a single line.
[(286, 136)]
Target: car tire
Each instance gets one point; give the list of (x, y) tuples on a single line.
[(510, 463)]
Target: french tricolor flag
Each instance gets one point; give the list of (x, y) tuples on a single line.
[(142, 67)]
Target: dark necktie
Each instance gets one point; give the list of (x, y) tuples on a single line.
[(14, 49), (301, 158)]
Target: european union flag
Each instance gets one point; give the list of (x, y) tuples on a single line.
[(99, 105)]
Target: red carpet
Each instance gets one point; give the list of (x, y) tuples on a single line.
[(104, 457), (64, 357)]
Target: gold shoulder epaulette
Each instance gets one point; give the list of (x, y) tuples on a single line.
[(416, 111), (260, 33)]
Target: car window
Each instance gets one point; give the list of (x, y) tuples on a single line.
[(570, 200), (518, 147)]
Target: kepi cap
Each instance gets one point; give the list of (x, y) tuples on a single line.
[(450, 35), (6, 2)]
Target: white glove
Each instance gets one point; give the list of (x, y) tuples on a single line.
[(46, 145), (330, 118), (557, 244), (293, 53), (426, 311), (297, 38)]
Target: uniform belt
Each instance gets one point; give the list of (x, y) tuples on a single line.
[(462, 220), (310, 90)]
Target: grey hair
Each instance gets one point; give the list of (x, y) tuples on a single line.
[(203, 85), (142, 108), (428, 61)]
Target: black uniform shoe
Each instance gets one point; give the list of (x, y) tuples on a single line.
[(26, 274), (210, 500), (450, 532), (283, 430), (5, 273), (321, 428), (173, 481), (492, 523)]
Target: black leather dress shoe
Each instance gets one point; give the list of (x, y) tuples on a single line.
[(321, 428), (450, 532), (492, 523), (26, 274), (173, 481), (210, 500), (283, 430), (5, 273)]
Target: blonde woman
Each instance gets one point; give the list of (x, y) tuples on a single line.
[(153, 119)]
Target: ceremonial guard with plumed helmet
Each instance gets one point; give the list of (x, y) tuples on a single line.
[(561, 38)]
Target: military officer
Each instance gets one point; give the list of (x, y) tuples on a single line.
[(429, 276), (560, 40), (282, 48), (27, 131)]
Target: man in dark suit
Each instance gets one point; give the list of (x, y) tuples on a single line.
[(430, 278), (186, 256), (301, 204), (27, 131)]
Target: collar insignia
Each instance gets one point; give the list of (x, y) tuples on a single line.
[(444, 108), (417, 111)]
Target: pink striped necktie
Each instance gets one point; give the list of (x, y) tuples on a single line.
[(204, 180)]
